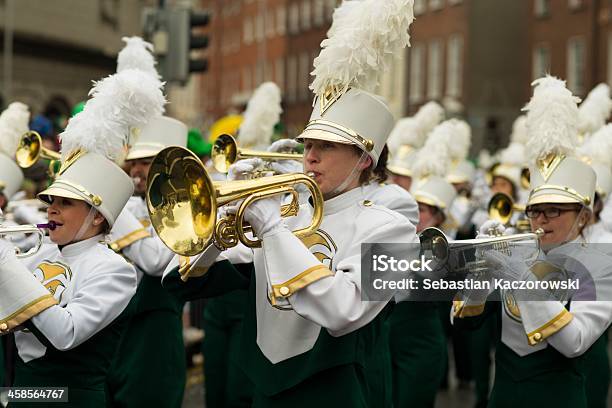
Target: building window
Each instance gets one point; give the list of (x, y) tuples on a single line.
[(259, 27), (294, 19), (435, 4), (575, 4), (454, 66), (331, 6), (318, 13), (434, 70), (541, 8), (281, 20), (541, 61), (270, 24), (279, 72), (259, 73), (305, 20), (291, 78), (420, 7), (247, 31), (576, 55), (610, 59), (416, 73)]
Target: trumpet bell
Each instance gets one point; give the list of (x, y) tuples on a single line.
[(30, 150), (224, 153), (179, 200)]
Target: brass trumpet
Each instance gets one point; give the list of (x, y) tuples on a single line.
[(182, 201), (465, 256), (27, 229), (225, 152), (30, 150), (501, 208)]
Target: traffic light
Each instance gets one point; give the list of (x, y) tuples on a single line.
[(170, 31)]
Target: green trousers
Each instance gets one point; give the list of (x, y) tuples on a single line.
[(2, 364), (149, 367), (341, 386), (418, 353), (597, 372)]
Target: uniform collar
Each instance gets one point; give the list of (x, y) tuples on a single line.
[(342, 201), (80, 247)]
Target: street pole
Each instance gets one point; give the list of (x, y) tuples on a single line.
[(8, 50)]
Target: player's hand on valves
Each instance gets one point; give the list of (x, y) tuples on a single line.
[(242, 169), (490, 228), (264, 215)]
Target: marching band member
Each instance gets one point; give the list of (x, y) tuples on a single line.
[(544, 343), (314, 350), (148, 358), (417, 338), (407, 136), (224, 382), (71, 335)]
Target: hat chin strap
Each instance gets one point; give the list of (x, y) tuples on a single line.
[(87, 222), (354, 174)]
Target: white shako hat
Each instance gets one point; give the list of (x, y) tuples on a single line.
[(95, 140), (262, 113), (597, 151), (512, 161), (158, 134), (13, 124), (409, 134), (362, 38), (430, 168), (556, 174), (461, 170), (160, 131)]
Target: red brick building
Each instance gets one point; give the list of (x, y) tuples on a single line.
[(253, 41), (571, 39), (470, 56)]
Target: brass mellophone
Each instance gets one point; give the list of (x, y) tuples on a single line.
[(30, 150), (183, 202), (501, 208)]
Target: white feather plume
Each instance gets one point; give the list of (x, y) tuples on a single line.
[(405, 132), (598, 147), (414, 130), (13, 124), (461, 139), (137, 54), (513, 155), (130, 98), (429, 116), (552, 120), (262, 113), (519, 130), (595, 110), (435, 156), (360, 43)]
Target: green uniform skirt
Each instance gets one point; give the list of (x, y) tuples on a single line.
[(418, 353)]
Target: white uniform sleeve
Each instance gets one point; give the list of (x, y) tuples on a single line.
[(139, 244), (330, 299), (95, 304)]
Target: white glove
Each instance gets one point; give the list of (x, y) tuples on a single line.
[(264, 216), (491, 225), (287, 166), (7, 252), (26, 214), (283, 145), (241, 169)]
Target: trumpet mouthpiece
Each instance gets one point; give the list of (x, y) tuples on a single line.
[(50, 225)]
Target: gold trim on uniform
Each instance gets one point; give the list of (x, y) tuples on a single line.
[(310, 275), (565, 189), (460, 309), (186, 270), (557, 323), (26, 313), (129, 239)]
